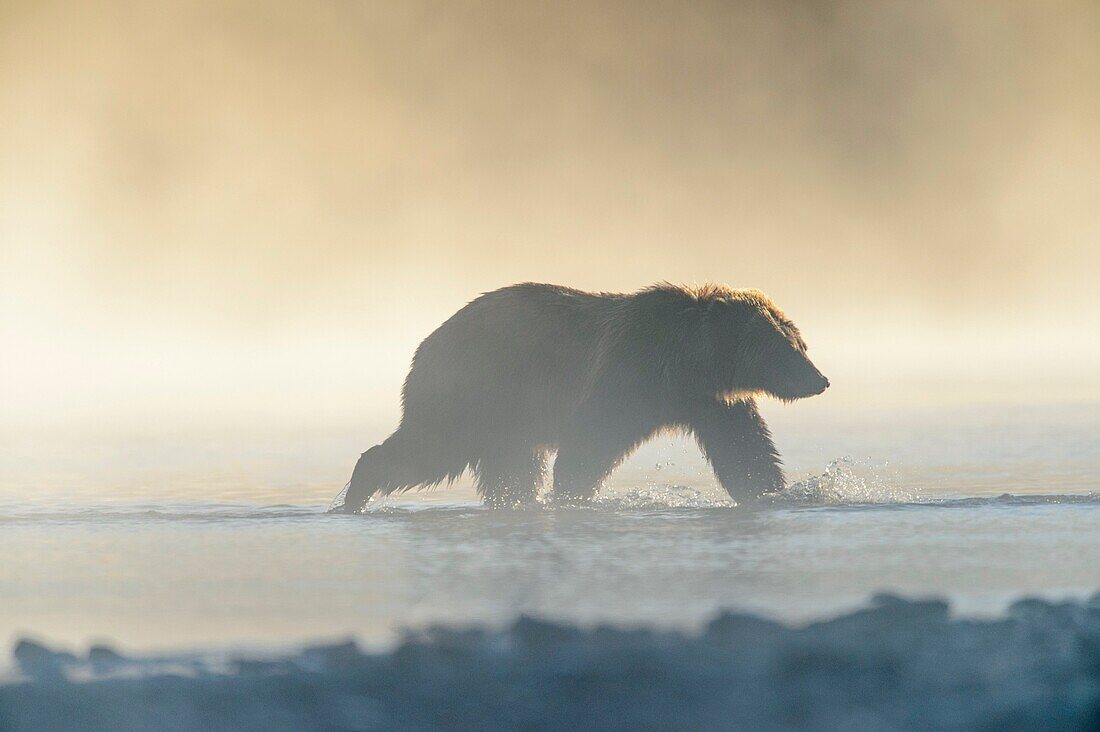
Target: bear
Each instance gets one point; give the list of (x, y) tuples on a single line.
[(530, 369)]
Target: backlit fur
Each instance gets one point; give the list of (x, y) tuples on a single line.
[(531, 369)]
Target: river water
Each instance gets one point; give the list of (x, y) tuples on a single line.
[(163, 544)]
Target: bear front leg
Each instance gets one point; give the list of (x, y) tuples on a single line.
[(737, 443), (588, 454)]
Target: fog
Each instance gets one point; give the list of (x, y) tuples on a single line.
[(225, 226), (249, 214)]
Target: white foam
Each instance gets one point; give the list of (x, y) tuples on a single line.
[(657, 495), (846, 481)]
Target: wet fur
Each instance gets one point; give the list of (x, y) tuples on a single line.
[(530, 369)]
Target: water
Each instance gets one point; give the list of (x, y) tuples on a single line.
[(231, 545)]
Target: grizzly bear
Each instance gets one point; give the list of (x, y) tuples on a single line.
[(530, 369)]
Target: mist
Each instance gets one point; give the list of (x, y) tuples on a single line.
[(250, 215), (226, 226)]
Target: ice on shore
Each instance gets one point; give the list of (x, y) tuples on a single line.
[(898, 664)]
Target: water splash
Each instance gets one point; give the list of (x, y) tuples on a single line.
[(337, 503), (845, 481), (658, 496)]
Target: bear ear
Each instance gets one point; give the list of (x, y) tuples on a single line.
[(730, 314), (723, 324)]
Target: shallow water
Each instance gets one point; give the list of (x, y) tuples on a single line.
[(980, 514)]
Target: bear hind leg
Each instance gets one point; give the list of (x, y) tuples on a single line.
[(510, 478), (589, 454), (403, 461)]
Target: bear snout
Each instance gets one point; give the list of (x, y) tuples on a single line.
[(811, 383)]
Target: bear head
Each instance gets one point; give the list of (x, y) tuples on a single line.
[(755, 348)]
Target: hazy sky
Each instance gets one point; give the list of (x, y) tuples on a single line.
[(227, 211)]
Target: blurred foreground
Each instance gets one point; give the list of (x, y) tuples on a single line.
[(896, 665)]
